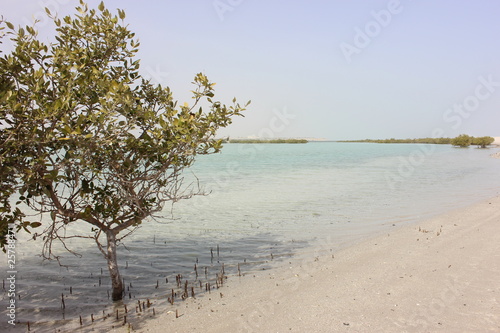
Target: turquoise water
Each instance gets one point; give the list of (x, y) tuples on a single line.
[(299, 190), (266, 202)]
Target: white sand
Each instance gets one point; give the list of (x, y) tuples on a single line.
[(441, 275)]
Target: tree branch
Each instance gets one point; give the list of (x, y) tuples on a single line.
[(70, 213)]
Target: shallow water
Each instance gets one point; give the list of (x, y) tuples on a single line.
[(266, 203)]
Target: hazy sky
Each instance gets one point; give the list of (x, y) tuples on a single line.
[(329, 69)]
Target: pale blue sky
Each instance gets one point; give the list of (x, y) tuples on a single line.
[(330, 69)]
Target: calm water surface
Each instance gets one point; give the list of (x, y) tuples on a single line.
[(266, 203)]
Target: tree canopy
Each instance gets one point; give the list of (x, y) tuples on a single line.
[(462, 140), (483, 141), (465, 140), (84, 137)]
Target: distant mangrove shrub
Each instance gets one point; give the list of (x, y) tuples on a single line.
[(483, 141), (462, 140), (465, 140)]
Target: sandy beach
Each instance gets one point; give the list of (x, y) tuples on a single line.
[(440, 275)]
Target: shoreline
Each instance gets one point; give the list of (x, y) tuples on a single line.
[(440, 274)]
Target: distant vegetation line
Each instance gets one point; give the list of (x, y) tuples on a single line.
[(265, 141), (443, 141), (462, 140)]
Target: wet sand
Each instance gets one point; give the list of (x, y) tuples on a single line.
[(440, 275)]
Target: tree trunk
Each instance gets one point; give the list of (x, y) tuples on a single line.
[(114, 273)]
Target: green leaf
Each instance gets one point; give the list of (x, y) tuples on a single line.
[(35, 224), (10, 25), (121, 14), (54, 174), (101, 6)]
